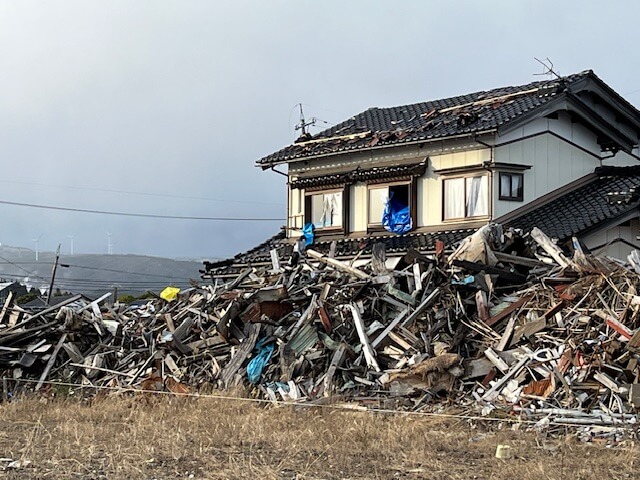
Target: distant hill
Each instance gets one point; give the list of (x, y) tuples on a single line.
[(93, 274)]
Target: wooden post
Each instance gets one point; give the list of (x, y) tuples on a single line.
[(53, 275)]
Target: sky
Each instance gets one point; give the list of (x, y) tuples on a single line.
[(163, 107)]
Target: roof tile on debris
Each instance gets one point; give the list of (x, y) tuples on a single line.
[(477, 112), (423, 242)]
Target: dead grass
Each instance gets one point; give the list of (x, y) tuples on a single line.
[(162, 438)]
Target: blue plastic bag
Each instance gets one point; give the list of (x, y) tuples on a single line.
[(396, 217), (308, 232), (257, 363)]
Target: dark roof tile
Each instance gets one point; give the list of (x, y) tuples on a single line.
[(464, 114)]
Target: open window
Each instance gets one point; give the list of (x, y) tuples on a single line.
[(465, 197), (325, 210), (511, 186), (387, 200)]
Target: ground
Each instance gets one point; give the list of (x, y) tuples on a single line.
[(169, 437)]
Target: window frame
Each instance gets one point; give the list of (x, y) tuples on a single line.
[(465, 217), (509, 197), (412, 185), (323, 191)]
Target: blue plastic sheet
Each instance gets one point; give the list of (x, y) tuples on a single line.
[(257, 363), (308, 232), (396, 217)]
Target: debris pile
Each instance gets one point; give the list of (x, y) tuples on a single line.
[(507, 324)]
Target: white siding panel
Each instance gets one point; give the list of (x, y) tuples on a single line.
[(616, 250)]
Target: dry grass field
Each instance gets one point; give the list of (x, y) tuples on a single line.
[(162, 438)]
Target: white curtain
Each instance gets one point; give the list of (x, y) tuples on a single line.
[(477, 196), (326, 210), (377, 200), (516, 185), (454, 198)]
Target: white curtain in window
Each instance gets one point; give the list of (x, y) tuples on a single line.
[(505, 185), (477, 196), (454, 198), (326, 210), (516, 185), (377, 200)]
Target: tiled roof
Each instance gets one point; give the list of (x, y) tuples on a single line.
[(466, 114), (345, 248), (389, 173), (611, 194)]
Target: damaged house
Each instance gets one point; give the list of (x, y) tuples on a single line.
[(559, 154)]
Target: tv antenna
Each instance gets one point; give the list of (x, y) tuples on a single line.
[(304, 123), (547, 67)]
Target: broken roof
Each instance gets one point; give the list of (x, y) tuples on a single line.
[(476, 113)]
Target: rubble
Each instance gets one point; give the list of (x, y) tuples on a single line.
[(508, 324)]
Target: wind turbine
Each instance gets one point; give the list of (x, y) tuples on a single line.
[(37, 240), (109, 244), (71, 237)]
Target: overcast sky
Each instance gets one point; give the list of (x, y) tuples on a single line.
[(176, 100)]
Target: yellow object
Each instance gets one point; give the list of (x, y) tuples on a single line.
[(504, 451), (170, 294)]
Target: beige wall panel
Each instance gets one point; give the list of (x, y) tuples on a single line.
[(358, 208)]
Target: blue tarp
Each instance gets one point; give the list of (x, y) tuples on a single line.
[(308, 232), (257, 363), (396, 217)]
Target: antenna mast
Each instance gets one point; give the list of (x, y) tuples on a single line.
[(304, 124), (547, 67)]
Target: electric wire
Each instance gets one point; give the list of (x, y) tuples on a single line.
[(140, 215), (147, 194)]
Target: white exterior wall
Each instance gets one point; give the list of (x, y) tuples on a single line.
[(617, 250), (554, 162)]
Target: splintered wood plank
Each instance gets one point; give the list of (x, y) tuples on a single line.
[(52, 360), (336, 362), (369, 354), (551, 248), (509, 310)]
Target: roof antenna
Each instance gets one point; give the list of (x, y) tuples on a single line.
[(547, 68), (305, 135)]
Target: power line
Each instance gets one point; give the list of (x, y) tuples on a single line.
[(32, 274), (140, 215), (96, 269), (147, 194)]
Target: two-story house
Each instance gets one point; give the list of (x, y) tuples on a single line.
[(560, 154)]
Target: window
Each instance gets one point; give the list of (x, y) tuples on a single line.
[(379, 196), (511, 186), (466, 197), (324, 209)]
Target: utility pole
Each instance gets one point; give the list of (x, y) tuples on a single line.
[(53, 274), (71, 237)]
